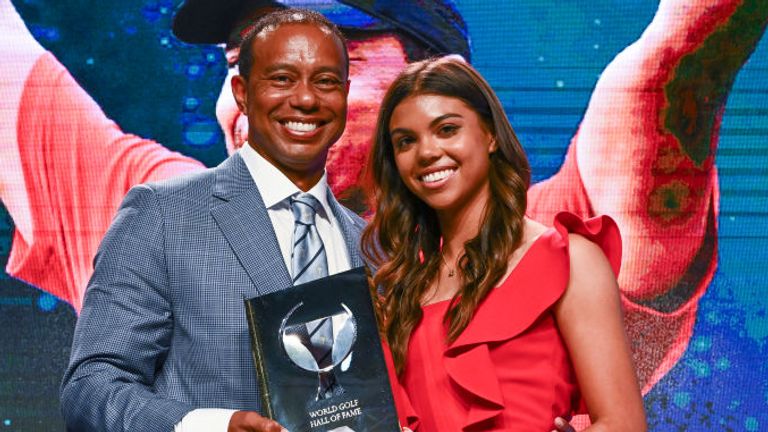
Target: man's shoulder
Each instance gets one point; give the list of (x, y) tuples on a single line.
[(356, 217), (342, 211), (351, 217), (193, 183), (197, 184)]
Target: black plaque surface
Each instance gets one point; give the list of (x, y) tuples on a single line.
[(315, 384)]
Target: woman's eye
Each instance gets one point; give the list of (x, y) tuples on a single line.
[(403, 142), (447, 130)]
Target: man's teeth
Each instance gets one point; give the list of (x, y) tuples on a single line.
[(301, 127), (436, 176)]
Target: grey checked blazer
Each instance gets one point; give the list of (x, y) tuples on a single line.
[(162, 330)]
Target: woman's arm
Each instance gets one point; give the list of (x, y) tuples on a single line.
[(590, 320)]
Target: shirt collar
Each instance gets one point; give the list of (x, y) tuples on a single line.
[(275, 188)]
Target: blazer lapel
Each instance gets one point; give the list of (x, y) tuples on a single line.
[(240, 214), (351, 228)]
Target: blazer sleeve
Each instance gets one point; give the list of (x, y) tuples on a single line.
[(125, 329)]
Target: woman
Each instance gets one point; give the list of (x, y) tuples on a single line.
[(492, 318)]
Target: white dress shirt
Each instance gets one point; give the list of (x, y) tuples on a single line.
[(276, 190)]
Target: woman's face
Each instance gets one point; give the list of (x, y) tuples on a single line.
[(441, 149)]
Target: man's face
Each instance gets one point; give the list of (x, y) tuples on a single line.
[(374, 63), (295, 98)]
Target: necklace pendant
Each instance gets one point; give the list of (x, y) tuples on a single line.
[(451, 273)]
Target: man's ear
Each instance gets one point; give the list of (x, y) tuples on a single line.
[(240, 92)]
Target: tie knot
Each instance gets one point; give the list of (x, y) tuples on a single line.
[(304, 207)]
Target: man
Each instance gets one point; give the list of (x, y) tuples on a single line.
[(665, 204), (162, 332)]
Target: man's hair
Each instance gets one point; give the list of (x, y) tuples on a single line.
[(273, 20)]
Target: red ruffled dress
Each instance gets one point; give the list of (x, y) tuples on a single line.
[(509, 370)]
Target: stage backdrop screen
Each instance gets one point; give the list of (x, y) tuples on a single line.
[(655, 113)]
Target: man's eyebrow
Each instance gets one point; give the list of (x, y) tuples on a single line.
[(280, 66), (292, 68), (331, 69)]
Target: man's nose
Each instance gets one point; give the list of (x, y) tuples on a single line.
[(304, 96)]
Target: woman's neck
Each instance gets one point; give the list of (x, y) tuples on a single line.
[(459, 226)]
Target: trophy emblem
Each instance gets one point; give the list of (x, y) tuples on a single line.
[(320, 345)]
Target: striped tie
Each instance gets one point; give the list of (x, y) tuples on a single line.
[(308, 259)]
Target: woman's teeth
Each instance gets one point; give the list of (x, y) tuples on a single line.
[(436, 176)]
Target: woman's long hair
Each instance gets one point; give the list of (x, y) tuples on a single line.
[(403, 240)]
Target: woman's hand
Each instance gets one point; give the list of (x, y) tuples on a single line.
[(562, 425)]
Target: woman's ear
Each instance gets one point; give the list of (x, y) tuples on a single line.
[(492, 147)]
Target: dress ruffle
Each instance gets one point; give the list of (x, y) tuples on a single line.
[(510, 309)]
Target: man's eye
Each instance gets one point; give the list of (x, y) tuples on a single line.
[(281, 79), (327, 82)]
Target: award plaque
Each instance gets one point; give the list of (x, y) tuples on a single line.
[(318, 357)]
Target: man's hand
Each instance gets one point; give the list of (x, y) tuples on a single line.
[(251, 421), (562, 425)]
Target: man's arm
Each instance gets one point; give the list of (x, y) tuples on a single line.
[(644, 154), (19, 51), (125, 333), (646, 146), (65, 165), (125, 330)]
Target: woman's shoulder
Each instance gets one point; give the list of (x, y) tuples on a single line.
[(589, 239), (569, 234), (568, 241)]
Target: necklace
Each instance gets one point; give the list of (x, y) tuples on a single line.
[(451, 271)]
